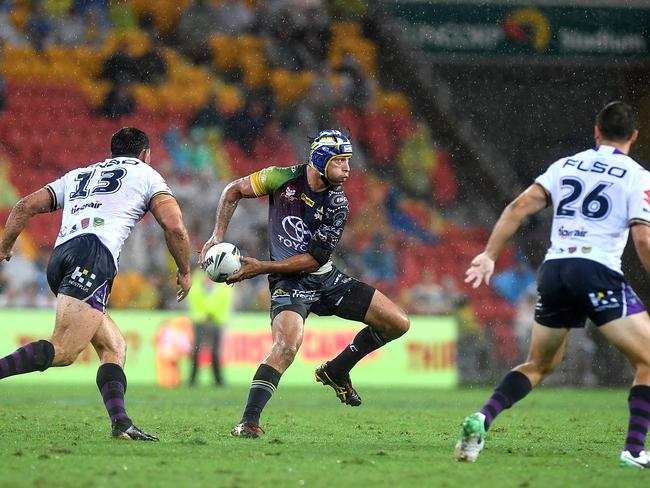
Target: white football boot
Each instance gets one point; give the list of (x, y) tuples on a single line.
[(472, 438)]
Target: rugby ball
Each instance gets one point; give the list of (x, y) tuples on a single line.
[(221, 261)]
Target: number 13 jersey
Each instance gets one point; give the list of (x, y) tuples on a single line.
[(106, 199), (597, 195)]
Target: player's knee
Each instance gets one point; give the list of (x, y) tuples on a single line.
[(399, 324), (287, 351), (65, 356)]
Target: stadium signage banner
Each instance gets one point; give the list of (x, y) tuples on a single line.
[(542, 31), (159, 345)]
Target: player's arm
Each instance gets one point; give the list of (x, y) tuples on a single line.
[(529, 202), (230, 196), (165, 209), (41, 201), (641, 238), (251, 267)]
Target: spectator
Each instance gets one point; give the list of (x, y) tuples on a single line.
[(39, 27), (247, 125), (428, 297), (120, 66), (208, 115), (8, 33), (118, 102), (194, 28), (233, 17), (152, 66), (380, 259), (512, 283)]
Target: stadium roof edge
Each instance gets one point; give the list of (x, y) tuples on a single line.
[(538, 3)]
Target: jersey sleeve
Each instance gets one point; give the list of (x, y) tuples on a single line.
[(638, 202), (329, 233), (57, 192), (157, 185), (267, 180), (546, 179)]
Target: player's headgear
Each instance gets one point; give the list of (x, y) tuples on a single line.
[(328, 145)]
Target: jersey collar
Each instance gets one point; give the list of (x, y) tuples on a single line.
[(605, 149)]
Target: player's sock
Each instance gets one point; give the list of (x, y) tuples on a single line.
[(513, 387), (265, 382), (111, 382), (35, 356), (366, 341), (639, 404)]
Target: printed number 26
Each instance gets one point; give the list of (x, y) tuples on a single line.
[(595, 206)]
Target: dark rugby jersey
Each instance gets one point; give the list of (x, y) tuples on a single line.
[(299, 216)]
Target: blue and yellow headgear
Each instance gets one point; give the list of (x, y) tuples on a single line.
[(328, 145)]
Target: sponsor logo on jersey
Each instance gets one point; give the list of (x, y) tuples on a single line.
[(647, 197), (297, 234), (78, 208), (98, 222), (74, 229), (82, 278), (319, 214), (304, 295), (307, 200), (63, 231), (85, 222), (603, 300), (289, 194), (572, 249), (595, 167), (564, 233), (585, 250), (280, 292)]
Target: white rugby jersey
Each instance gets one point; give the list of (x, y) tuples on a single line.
[(597, 194), (106, 199)]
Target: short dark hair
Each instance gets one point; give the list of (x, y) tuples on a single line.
[(616, 121), (128, 141)]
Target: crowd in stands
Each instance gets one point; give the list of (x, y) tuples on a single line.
[(225, 88)]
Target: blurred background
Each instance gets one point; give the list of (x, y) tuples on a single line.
[(453, 107)]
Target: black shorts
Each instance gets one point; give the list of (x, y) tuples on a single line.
[(82, 268), (570, 290), (332, 293)]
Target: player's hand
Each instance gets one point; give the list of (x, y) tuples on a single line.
[(250, 267), (481, 270), (184, 280), (5, 254), (208, 244)]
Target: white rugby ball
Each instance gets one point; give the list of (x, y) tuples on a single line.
[(221, 261)]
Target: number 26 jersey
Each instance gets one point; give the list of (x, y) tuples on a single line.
[(106, 199), (597, 195)]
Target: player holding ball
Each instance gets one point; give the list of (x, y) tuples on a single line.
[(307, 213)]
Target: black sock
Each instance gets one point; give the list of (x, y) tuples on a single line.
[(265, 382), (111, 382), (35, 356), (513, 387), (366, 341)]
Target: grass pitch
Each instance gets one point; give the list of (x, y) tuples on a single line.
[(58, 435)]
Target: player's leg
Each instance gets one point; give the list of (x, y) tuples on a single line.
[(546, 351), (631, 335), (385, 321), (75, 325), (199, 334), (287, 330), (110, 346), (216, 333)]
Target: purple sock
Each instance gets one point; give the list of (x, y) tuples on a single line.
[(639, 404), (513, 387), (35, 356), (111, 382)]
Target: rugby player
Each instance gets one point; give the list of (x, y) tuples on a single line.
[(597, 195), (101, 203), (307, 213)]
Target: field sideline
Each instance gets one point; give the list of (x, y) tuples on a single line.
[(58, 435)]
